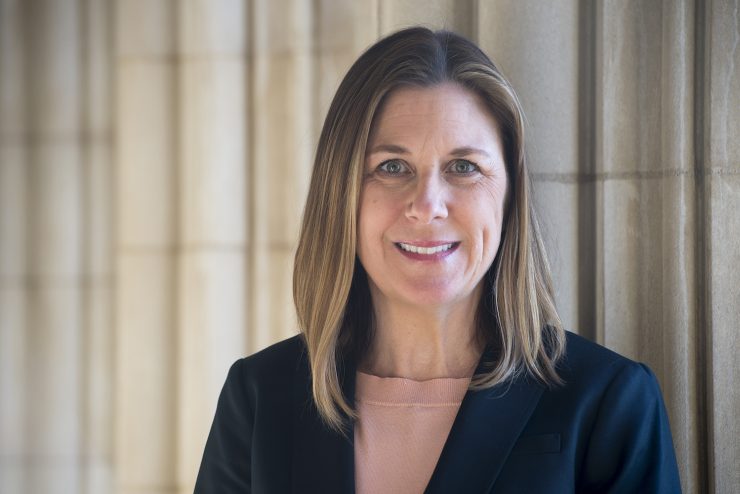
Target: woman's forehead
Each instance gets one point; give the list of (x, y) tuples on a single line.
[(446, 109)]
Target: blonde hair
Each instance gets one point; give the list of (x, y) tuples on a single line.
[(517, 315)]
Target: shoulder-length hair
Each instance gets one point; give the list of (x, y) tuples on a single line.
[(516, 316)]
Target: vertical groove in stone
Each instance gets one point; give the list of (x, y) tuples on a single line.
[(250, 21), (145, 233), (55, 249), (98, 232), (587, 267), (702, 290), (598, 166), (13, 246), (212, 214)]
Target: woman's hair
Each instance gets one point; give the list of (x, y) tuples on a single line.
[(516, 317)]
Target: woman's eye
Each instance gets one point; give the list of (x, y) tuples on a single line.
[(393, 167), (463, 167)]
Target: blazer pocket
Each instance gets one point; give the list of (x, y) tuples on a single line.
[(538, 444)]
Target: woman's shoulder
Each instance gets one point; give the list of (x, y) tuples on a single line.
[(611, 408), (588, 364), (272, 364)]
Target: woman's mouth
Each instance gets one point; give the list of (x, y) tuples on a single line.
[(429, 251)]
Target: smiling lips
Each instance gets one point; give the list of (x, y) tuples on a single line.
[(431, 251)]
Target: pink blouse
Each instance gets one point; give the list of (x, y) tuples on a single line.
[(402, 427)]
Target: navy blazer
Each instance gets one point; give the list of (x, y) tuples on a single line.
[(604, 431)]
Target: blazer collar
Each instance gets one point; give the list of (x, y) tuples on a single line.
[(483, 434)]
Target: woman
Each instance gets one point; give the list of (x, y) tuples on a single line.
[(431, 356)]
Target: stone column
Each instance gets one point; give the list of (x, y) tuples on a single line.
[(212, 214), (280, 160), (54, 337), (13, 245), (146, 232), (720, 192)]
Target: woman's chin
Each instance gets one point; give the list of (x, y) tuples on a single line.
[(436, 296)]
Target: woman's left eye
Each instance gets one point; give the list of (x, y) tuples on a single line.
[(463, 167)]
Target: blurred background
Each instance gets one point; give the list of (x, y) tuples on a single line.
[(154, 159)]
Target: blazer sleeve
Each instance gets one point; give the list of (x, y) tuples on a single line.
[(226, 464), (630, 447)]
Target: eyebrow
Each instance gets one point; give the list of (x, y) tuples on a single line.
[(389, 148), (467, 150), (457, 152)]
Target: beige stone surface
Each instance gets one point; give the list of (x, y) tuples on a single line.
[(13, 307), (271, 19), (623, 238), (282, 150), (725, 338), (722, 199), (723, 85), (438, 14), (146, 353), (212, 336), (212, 316), (145, 140), (12, 103), (345, 25), (53, 476), (98, 183), (97, 467), (557, 205), (628, 87), (541, 60), (97, 53), (99, 396), (344, 29), (209, 27), (54, 343), (12, 377), (272, 315), (145, 28), (55, 212), (54, 82), (213, 151), (13, 213)]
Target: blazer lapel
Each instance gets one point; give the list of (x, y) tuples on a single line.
[(485, 430), (323, 460)]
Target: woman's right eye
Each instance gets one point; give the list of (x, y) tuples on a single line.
[(393, 167)]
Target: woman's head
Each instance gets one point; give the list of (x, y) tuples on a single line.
[(516, 313), (432, 201)]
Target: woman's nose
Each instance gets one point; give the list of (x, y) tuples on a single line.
[(428, 200)]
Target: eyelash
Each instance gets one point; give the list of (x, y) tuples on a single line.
[(383, 167)]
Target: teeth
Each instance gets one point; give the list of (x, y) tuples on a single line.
[(424, 250)]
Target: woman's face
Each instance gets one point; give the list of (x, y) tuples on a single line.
[(432, 201)]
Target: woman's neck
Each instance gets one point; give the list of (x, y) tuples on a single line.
[(421, 344)]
